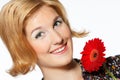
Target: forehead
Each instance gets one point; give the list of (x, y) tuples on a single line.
[(43, 15), (43, 12)]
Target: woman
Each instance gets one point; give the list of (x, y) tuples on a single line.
[(38, 32)]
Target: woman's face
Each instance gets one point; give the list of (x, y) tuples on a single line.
[(50, 37)]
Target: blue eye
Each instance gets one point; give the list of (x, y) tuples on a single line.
[(58, 22), (40, 34)]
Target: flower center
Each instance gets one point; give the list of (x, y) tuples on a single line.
[(94, 55)]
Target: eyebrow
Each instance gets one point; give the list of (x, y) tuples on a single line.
[(40, 27), (35, 29)]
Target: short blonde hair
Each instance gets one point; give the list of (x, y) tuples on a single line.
[(12, 19)]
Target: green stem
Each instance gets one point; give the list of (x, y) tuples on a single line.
[(109, 73)]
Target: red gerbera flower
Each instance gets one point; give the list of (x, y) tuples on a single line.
[(92, 55)]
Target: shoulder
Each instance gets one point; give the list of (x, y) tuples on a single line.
[(112, 65), (113, 59)]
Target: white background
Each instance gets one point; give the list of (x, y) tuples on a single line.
[(100, 17)]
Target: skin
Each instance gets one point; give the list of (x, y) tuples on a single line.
[(51, 39)]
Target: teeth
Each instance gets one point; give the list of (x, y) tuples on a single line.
[(59, 50)]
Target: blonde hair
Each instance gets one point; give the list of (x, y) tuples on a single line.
[(12, 19)]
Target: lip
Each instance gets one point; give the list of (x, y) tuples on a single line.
[(60, 50)]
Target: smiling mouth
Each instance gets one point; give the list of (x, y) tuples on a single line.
[(60, 50)]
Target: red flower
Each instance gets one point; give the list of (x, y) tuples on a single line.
[(92, 55)]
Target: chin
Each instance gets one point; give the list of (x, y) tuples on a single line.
[(64, 61)]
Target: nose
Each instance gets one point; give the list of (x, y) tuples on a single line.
[(56, 38)]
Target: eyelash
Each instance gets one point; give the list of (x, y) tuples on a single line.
[(57, 23), (39, 35)]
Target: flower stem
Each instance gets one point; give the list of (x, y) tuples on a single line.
[(109, 73)]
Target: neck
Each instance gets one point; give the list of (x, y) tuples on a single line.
[(71, 71)]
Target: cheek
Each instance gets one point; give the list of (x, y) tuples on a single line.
[(66, 31), (40, 47)]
